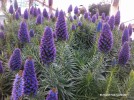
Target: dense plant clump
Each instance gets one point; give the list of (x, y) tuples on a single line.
[(53, 55)]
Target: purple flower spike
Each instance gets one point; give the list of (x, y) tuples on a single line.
[(111, 22), (15, 5), (117, 18), (31, 33), (86, 15), (39, 12), (94, 18), (23, 33), (19, 11), (56, 13), (130, 29), (35, 12), (122, 26), (70, 8), (125, 36), (39, 20), (61, 27), (45, 14), (30, 79), (124, 54), (73, 27), (15, 60), (75, 17), (79, 23), (76, 10), (50, 2), (99, 26), (32, 10), (103, 16), (47, 47), (17, 15), (105, 42), (2, 35), (52, 95), (71, 18), (26, 14), (17, 90), (1, 67), (11, 9)]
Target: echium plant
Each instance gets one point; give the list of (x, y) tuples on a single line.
[(15, 60), (47, 47), (105, 42), (39, 19), (30, 79), (61, 27), (52, 95), (125, 36), (124, 54), (26, 14), (23, 34), (117, 18), (111, 22), (45, 13), (11, 11), (70, 8)]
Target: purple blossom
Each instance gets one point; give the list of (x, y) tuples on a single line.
[(70, 8), (86, 15), (15, 5), (17, 90), (71, 18), (23, 35), (124, 54), (15, 60), (30, 79), (125, 35), (76, 10), (35, 12), (122, 26), (39, 19), (47, 47), (19, 11), (117, 18), (105, 42), (31, 33), (52, 95), (2, 35), (11, 9), (50, 2), (99, 26), (73, 27), (45, 14), (38, 10), (111, 22), (17, 15), (26, 14), (32, 10), (1, 67), (56, 13), (103, 16), (94, 18), (130, 29), (51, 16), (61, 27), (75, 17), (79, 23)]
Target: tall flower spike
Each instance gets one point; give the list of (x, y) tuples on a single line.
[(17, 90), (47, 47), (79, 23), (117, 18), (39, 19), (15, 5), (103, 16), (70, 8), (45, 14), (124, 54), (125, 36), (75, 17), (50, 3), (111, 22), (105, 42), (15, 60), (17, 15), (26, 14), (35, 12), (61, 27), (56, 13), (31, 33), (11, 9), (1, 67), (130, 29), (39, 12), (73, 27), (23, 33), (86, 15), (32, 10), (122, 26), (99, 26), (52, 95), (71, 18), (76, 10), (94, 18), (30, 79)]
